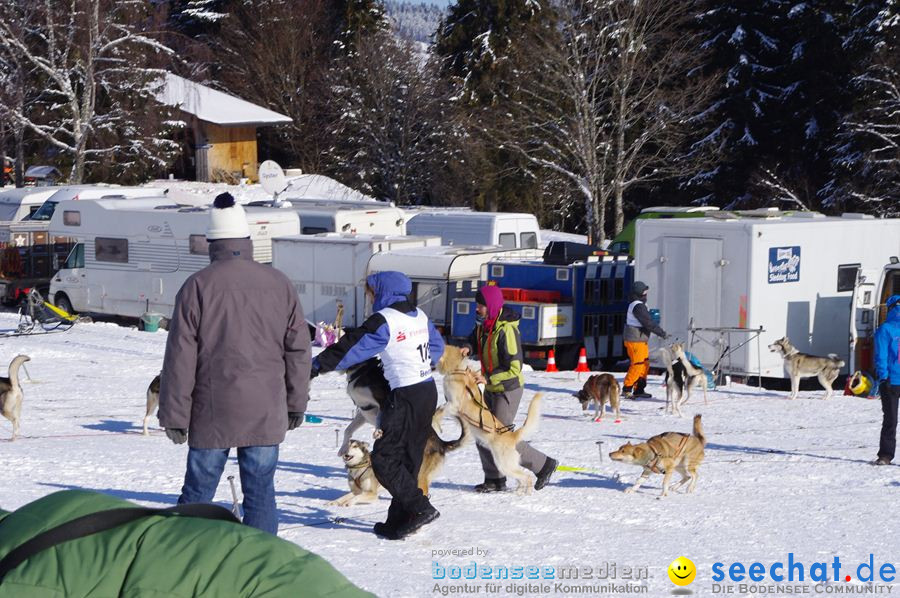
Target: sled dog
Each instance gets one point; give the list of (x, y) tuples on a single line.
[(800, 365), (11, 394), (368, 388), (363, 483), (464, 399), (665, 453), (152, 401), (600, 389), (684, 377)]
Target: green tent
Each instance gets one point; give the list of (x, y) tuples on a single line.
[(158, 555)]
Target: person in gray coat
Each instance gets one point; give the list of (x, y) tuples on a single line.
[(236, 368), (638, 326)]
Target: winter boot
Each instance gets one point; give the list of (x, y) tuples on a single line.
[(418, 520), (626, 392), (640, 391), (881, 461), (543, 476), (491, 485)]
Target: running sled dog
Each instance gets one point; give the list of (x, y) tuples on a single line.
[(600, 389), (363, 483), (800, 365), (464, 400), (666, 453), (11, 394), (368, 388)]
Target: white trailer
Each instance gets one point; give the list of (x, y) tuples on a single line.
[(443, 273), (132, 256), (455, 227), (329, 270), (791, 275)]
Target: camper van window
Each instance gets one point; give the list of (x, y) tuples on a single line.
[(508, 240), (71, 218), (314, 230), (111, 250), (45, 212), (846, 277), (528, 240), (75, 258), (199, 245)]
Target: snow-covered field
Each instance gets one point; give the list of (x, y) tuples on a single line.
[(780, 477)]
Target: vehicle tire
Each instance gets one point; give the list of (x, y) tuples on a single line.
[(62, 301)]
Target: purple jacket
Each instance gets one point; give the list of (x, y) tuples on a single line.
[(238, 353)]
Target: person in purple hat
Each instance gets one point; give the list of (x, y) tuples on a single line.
[(497, 344)]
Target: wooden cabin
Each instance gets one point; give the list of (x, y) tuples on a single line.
[(220, 136)]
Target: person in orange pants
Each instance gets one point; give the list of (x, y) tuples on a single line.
[(638, 326)]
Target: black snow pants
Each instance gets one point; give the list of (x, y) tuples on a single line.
[(397, 455), (890, 397)]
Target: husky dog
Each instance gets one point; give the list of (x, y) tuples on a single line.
[(683, 378), (363, 483), (464, 400), (369, 389), (800, 365), (665, 453), (11, 394), (600, 388), (152, 401)]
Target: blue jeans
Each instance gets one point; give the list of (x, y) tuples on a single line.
[(257, 468)]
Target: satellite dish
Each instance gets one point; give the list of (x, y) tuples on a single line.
[(271, 177)]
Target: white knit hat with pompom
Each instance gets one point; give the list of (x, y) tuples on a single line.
[(227, 219)]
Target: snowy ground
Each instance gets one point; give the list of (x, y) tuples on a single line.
[(779, 477)]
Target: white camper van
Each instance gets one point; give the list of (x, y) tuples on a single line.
[(329, 269), (327, 217), (132, 256), (455, 227), (17, 204), (792, 275), (443, 273)]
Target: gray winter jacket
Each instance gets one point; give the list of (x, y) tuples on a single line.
[(647, 325), (238, 353)]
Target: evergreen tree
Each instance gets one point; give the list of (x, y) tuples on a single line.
[(476, 44), (740, 124)]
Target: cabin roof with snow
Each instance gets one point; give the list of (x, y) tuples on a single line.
[(212, 105)]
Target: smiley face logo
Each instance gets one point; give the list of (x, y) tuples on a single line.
[(682, 571)]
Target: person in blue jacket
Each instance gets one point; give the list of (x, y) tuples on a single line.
[(409, 346), (887, 371)]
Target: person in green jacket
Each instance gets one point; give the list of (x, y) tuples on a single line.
[(498, 346)]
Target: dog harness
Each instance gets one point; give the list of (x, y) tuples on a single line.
[(659, 449), (482, 408), (365, 466)]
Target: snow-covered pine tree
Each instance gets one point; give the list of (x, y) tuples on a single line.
[(477, 44), (392, 133), (746, 40), (865, 157)]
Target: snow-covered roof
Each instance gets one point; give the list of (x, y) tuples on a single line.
[(213, 106)]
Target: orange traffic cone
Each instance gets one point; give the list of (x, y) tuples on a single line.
[(582, 362), (551, 362)]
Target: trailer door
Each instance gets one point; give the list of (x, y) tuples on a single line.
[(691, 289)]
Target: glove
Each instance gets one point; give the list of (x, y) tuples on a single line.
[(664, 335), (294, 420), (177, 435)]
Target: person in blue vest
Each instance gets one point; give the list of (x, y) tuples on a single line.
[(409, 347), (887, 370)]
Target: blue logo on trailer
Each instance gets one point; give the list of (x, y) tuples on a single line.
[(784, 264)]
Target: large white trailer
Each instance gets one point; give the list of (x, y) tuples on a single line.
[(132, 256), (802, 275), (329, 270)]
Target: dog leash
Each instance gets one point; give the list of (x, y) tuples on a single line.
[(482, 407)]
